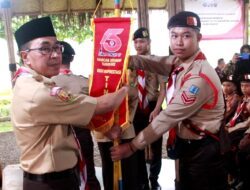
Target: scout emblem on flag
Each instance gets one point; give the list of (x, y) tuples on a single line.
[(111, 39)]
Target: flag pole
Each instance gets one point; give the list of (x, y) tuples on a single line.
[(117, 164), (117, 8)]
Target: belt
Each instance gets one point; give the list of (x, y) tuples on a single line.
[(50, 176)]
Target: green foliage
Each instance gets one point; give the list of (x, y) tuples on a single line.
[(72, 26), (5, 126), (75, 27), (4, 108), (5, 111), (5, 103), (2, 35)]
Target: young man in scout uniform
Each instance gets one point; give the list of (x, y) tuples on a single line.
[(231, 94), (150, 99), (42, 113), (195, 108), (76, 84), (232, 99)]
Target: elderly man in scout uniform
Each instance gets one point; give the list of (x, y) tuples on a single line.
[(42, 113), (149, 103), (195, 107), (76, 84)]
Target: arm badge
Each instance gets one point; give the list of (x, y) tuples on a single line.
[(61, 94), (189, 97)]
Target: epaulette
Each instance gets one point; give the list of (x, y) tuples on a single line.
[(37, 77), (81, 76), (48, 82)]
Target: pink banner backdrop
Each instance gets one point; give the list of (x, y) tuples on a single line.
[(220, 19)]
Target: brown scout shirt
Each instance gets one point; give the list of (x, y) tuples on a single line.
[(245, 115), (198, 97), (41, 124), (152, 82)]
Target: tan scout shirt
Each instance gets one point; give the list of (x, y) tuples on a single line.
[(74, 84), (152, 82), (41, 124), (77, 84), (197, 97)]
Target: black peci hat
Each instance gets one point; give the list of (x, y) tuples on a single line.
[(141, 33), (40, 27), (185, 19)]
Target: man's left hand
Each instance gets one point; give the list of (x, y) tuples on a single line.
[(114, 133)]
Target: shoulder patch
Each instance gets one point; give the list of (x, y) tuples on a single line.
[(61, 94), (194, 89)]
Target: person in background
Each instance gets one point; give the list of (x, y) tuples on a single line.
[(245, 49), (231, 94), (151, 93), (244, 160), (243, 62), (42, 112), (232, 99), (230, 67), (220, 66), (77, 85), (195, 108), (238, 125)]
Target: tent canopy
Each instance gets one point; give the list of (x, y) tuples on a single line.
[(36, 7)]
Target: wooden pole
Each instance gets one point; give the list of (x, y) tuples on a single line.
[(175, 7), (99, 12), (142, 9), (5, 5), (117, 168), (117, 8)]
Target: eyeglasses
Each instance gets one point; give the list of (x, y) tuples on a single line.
[(47, 50)]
